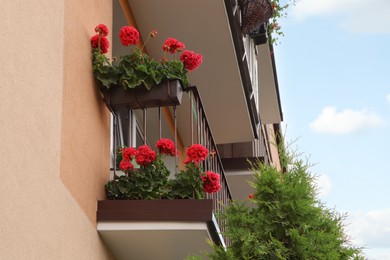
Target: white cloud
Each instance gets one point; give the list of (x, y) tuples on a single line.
[(363, 16), (324, 185), (348, 121), (378, 253), (370, 230)]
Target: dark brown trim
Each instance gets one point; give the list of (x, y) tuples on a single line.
[(155, 210), (240, 163)]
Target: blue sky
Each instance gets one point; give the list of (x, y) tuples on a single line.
[(334, 76)]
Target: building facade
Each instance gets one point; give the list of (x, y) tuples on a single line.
[(55, 128)]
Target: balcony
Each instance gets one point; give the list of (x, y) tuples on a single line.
[(225, 70), (173, 228), (237, 158), (227, 80)]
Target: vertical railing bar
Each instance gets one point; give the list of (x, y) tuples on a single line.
[(144, 118), (175, 126), (198, 119), (114, 145), (129, 139), (159, 123), (201, 126), (191, 117)]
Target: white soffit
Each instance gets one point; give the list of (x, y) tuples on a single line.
[(155, 240), (239, 183)]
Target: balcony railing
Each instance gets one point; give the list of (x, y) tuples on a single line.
[(199, 132)]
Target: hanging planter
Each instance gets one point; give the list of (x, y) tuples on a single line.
[(167, 93), (254, 13)]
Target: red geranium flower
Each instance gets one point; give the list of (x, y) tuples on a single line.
[(191, 60), (166, 146), (126, 165), (104, 44), (145, 155), (196, 153), (251, 196), (172, 46), (210, 182), (101, 29), (129, 35), (128, 153)]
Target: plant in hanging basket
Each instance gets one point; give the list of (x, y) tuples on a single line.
[(137, 69), (254, 14), (257, 14), (146, 176)]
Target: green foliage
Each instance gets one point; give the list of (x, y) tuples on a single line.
[(188, 184), (149, 182), (285, 220), (135, 69), (279, 11)]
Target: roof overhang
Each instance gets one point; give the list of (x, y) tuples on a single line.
[(204, 27)]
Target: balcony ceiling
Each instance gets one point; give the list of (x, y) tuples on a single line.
[(204, 28), (239, 183), (154, 240)]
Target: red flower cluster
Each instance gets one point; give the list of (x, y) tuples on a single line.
[(251, 196), (129, 35), (166, 146), (191, 60), (126, 165), (196, 153), (101, 29), (128, 153), (172, 46), (145, 155), (104, 44), (210, 182)]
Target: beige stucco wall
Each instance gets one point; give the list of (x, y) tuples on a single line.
[(85, 120), (41, 216)]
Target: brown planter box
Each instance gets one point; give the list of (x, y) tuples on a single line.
[(155, 210), (167, 93)]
